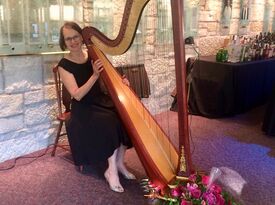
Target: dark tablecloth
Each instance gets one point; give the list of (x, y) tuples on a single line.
[(269, 118), (224, 89)]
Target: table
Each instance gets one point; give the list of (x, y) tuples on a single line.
[(268, 125), (225, 89)]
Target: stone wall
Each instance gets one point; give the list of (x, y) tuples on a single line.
[(27, 104), (211, 33)]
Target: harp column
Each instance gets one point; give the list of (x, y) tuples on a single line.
[(184, 165)]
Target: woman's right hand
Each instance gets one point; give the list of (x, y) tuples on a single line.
[(97, 67)]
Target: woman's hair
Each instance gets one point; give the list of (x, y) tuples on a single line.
[(71, 25)]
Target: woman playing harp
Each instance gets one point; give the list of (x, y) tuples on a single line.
[(95, 132)]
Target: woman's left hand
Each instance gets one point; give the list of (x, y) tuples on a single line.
[(125, 80), (97, 67)]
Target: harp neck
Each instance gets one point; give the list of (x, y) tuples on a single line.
[(132, 13)]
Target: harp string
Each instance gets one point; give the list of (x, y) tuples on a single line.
[(164, 42), (157, 133)]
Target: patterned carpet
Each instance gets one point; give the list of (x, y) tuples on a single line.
[(234, 144)]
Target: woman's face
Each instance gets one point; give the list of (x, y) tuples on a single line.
[(73, 39)]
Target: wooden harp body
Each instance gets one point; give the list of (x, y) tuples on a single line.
[(157, 154)]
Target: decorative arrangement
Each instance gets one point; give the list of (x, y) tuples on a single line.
[(197, 189)]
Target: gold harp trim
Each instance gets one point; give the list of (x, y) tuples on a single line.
[(121, 44)]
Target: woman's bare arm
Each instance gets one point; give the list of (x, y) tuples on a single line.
[(70, 83)]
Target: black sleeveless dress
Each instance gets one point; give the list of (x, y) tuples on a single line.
[(94, 130)]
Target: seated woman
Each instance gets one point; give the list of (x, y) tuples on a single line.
[(95, 131)]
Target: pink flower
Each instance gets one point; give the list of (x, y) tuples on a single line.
[(183, 202), (203, 202), (191, 186), (205, 180), (210, 198), (176, 192), (196, 193), (220, 200), (193, 177), (216, 189), (194, 190)]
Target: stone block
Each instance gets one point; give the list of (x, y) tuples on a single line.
[(33, 97), (11, 124), (213, 5), (212, 26), (150, 39), (157, 66), (11, 105), (1, 83), (30, 143), (27, 131), (13, 135), (236, 13), (119, 60), (38, 113), (256, 27), (151, 22), (203, 32), (210, 45), (234, 27), (22, 73), (257, 12), (49, 92), (206, 16)]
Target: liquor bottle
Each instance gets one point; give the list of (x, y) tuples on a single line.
[(250, 53), (219, 56), (266, 51), (243, 51), (260, 36), (253, 52), (236, 51), (224, 55), (261, 56), (257, 52), (270, 52), (231, 48)]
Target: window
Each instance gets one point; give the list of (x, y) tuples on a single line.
[(164, 25), (191, 11), (103, 16), (32, 26)]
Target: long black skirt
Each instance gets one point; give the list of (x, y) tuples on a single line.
[(94, 133)]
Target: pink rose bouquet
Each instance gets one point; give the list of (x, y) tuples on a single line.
[(196, 190)]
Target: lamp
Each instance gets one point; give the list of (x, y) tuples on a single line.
[(189, 40)]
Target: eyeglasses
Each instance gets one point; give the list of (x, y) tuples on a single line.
[(70, 39)]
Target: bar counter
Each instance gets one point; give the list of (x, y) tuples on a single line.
[(225, 89)]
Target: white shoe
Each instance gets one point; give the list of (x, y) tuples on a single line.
[(115, 188)]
